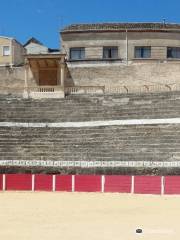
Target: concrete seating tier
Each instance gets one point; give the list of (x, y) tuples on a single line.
[(111, 143), (91, 107)]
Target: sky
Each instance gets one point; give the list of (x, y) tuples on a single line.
[(43, 19)]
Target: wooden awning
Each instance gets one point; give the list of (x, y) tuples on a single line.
[(45, 60)]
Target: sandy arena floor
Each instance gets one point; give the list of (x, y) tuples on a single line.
[(86, 216)]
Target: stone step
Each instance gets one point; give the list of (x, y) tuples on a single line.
[(96, 143), (91, 108)]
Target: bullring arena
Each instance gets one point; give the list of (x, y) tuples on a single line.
[(89, 135), (43, 215)]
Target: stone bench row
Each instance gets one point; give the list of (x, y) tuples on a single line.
[(158, 142)]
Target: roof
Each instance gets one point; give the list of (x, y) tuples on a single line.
[(53, 50), (49, 50), (33, 40), (10, 38), (98, 27)]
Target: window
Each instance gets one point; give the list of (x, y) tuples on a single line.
[(77, 53), (142, 52), (6, 50), (110, 52), (173, 52)]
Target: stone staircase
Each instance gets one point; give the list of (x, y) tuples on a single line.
[(91, 107), (112, 143), (146, 143)]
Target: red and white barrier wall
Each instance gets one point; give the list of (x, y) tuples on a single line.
[(91, 183)]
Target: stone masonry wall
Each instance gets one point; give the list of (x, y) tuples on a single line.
[(102, 74), (11, 79), (114, 74)]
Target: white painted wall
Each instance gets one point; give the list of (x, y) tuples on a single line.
[(34, 48)]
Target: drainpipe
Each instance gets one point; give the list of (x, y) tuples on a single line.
[(12, 52), (126, 47)]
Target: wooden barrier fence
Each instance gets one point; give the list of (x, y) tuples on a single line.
[(91, 183)]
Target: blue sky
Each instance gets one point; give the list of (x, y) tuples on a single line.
[(43, 18)]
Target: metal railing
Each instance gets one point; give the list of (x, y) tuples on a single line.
[(116, 89), (122, 89), (84, 89)]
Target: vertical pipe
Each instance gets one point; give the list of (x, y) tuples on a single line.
[(12, 53), (126, 47)]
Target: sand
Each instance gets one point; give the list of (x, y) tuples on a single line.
[(71, 216)]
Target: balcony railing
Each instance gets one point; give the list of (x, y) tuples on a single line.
[(44, 89), (45, 92)]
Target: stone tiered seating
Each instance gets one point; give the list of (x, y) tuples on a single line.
[(160, 142), (91, 108)]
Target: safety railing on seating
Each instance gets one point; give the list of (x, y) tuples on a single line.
[(84, 89), (110, 89), (122, 89)]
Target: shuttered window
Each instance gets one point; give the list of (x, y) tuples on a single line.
[(142, 52), (6, 50), (110, 52), (77, 53), (173, 52)]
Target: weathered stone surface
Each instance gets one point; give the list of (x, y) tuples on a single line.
[(80, 108), (121, 143), (131, 143)]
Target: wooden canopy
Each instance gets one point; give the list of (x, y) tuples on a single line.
[(45, 60)]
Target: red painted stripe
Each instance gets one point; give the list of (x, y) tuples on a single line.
[(64, 183), (21, 182), (172, 185), (121, 184), (85, 183), (43, 182), (147, 184)]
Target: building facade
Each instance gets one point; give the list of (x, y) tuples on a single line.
[(11, 52), (122, 54), (113, 57), (34, 46)]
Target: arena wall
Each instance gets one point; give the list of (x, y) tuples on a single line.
[(91, 183)]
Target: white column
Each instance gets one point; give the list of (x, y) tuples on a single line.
[(102, 183), (62, 74), (33, 182), (132, 184), (25, 94), (73, 183), (162, 185), (4, 182), (54, 183)]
